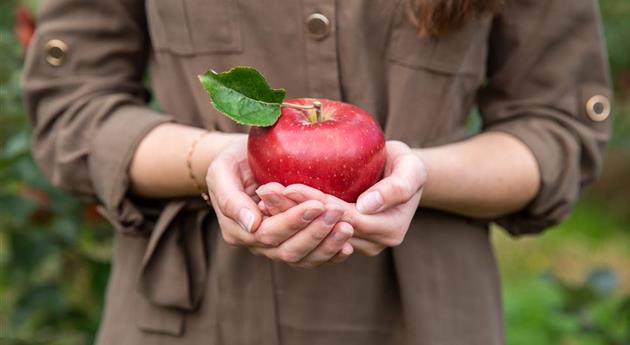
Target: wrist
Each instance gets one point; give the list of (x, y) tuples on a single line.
[(486, 176), (421, 154), (207, 149)]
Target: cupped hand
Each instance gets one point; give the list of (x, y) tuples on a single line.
[(333, 249), (383, 213), (307, 235)]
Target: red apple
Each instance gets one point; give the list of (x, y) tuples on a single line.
[(342, 153)]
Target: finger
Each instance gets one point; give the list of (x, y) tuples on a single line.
[(276, 229), (247, 176), (255, 198), (263, 208), (226, 189), (231, 231), (406, 177), (329, 247), (300, 193), (387, 228), (342, 255), (237, 206), (251, 192), (275, 201), (303, 242)]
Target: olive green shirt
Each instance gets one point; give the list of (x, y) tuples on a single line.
[(537, 70)]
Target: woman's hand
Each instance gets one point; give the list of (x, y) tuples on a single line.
[(307, 235), (382, 214)]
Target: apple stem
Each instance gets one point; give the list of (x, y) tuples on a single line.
[(318, 109), (298, 106), (316, 104)]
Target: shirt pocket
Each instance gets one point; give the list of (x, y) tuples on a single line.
[(462, 52), (188, 27)]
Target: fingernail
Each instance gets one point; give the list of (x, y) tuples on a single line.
[(246, 219), (311, 214), (343, 233), (347, 249), (332, 216), (271, 198), (293, 195), (370, 202)]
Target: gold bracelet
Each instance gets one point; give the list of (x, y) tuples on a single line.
[(191, 174)]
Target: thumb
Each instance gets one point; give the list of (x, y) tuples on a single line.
[(228, 197), (407, 176), (387, 193)]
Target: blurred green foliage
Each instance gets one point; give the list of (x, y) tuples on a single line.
[(548, 311), (55, 251), (572, 284), (616, 15)]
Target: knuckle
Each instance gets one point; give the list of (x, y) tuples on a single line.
[(330, 251), (288, 255), (228, 206), (297, 225), (265, 238), (223, 222), (400, 187), (318, 235), (247, 241), (229, 238)]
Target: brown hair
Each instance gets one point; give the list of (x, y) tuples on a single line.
[(439, 17)]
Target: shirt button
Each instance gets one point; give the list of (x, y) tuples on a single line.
[(56, 52), (598, 108), (318, 26)]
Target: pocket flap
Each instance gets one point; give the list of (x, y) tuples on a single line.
[(460, 52), (194, 26)]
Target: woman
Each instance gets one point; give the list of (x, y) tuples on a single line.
[(411, 262)]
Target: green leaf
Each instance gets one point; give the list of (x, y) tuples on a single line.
[(243, 95)]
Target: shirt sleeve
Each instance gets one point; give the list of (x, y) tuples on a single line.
[(83, 90), (548, 85)]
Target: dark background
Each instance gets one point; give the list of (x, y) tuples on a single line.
[(568, 286)]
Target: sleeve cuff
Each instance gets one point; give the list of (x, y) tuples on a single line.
[(111, 152), (554, 149)]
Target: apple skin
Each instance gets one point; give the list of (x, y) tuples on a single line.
[(343, 155)]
